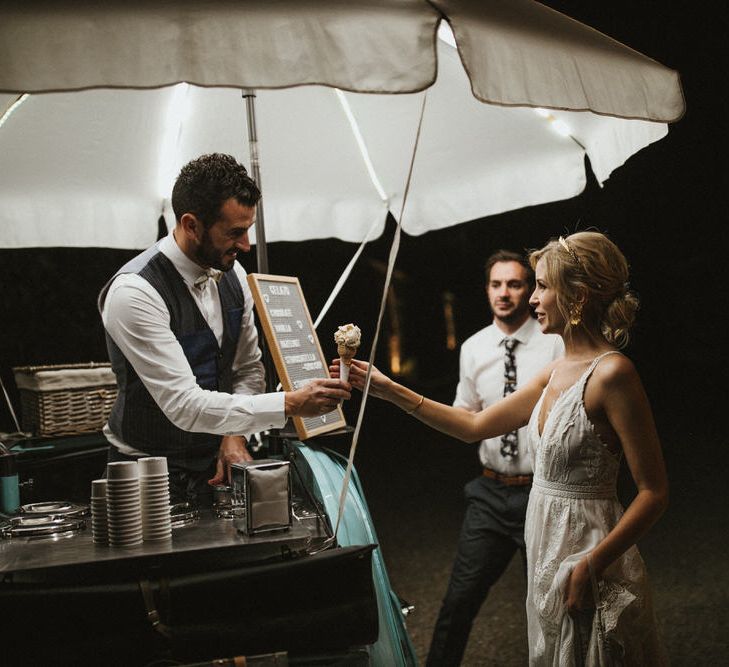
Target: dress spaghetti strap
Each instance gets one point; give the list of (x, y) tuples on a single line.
[(591, 368)]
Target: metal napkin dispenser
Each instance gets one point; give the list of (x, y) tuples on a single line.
[(264, 488)]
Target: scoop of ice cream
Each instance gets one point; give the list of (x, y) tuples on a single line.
[(347, 336)]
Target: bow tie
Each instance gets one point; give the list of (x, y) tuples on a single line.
[(210, 274)]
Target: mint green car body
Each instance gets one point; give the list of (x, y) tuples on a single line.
[(326, 471)]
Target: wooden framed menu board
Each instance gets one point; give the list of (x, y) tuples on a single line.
[(293, 343)]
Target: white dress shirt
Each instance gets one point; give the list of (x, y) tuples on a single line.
[(481, 381), (137, 319)]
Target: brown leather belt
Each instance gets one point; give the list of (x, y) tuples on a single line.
[(509, 480)]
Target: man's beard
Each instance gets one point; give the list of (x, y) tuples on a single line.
[(519, 312), (207, 255)]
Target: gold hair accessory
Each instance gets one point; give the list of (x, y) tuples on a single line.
[(576, 314), (569, 249)]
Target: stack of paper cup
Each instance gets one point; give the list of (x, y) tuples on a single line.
[(123, 506), (154, 485), (99, 528)]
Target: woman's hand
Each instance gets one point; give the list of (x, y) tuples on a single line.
[(379, 382), (578, 591)]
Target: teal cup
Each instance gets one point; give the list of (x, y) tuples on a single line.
[(9, 484)]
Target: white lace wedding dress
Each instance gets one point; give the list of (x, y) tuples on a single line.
[(572, 506)]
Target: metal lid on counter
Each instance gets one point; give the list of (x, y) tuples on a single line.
[(55, 508), (41, 526)]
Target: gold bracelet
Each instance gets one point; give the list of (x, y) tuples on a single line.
[(415, 409)]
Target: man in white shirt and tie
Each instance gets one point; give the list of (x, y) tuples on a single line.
[(494, 361), (183, 343)]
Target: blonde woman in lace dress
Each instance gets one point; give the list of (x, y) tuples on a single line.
[(588, 600)]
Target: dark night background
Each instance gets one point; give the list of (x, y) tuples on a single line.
[(665, 209)]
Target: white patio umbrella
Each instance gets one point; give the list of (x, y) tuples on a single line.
[(94, 167), (476, 154)]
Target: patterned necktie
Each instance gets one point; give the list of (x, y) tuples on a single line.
[(509, 441)]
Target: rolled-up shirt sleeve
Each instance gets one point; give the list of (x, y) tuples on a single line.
[(137, 319)]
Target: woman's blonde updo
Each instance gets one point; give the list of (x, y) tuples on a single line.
[(587, 268)]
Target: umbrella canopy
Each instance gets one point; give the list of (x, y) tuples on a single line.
[(517, 52), (95, 167)]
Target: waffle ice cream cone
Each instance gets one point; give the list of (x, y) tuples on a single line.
[(347, 337)]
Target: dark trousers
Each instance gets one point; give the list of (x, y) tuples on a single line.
[(186, 486), (492, 531)]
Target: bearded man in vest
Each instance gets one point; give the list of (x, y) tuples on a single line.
[(183, 343)]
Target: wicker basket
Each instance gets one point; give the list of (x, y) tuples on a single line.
[(65, 399)]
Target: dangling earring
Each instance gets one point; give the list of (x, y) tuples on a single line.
[(576, 314)]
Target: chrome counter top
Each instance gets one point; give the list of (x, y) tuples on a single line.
[(207, 534)]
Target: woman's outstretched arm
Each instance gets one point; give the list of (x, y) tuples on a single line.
[(507, 415)]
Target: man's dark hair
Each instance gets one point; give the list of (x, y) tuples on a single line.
[(206, 183), (509, 256)]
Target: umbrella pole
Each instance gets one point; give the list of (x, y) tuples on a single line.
[(249, 95)]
